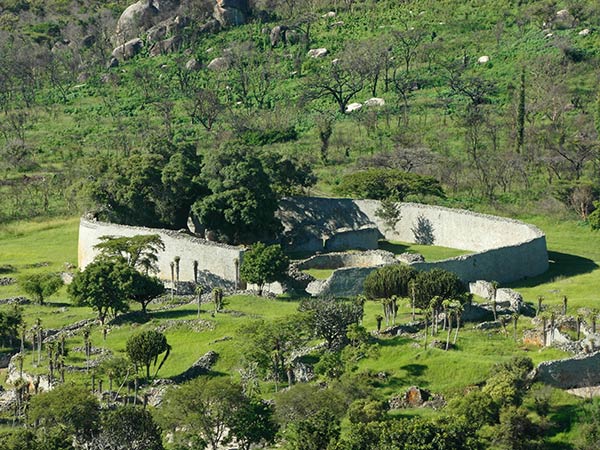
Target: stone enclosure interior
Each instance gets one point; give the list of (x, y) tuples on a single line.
[(502, 249)]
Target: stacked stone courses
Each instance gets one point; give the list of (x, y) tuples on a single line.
[(504, 250)]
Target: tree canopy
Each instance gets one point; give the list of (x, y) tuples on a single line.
[(395, 184), (41, 285), (390, 280), (143, 349), (264, 264)]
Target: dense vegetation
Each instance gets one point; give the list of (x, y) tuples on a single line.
[(150, 140)]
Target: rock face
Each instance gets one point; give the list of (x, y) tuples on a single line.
[(353, 107), (278, 34), (219, 64), (230, 13), (128, 50), (136, 19)]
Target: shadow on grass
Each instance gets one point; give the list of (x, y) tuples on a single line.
[(414, 370), (177, 314), (395, 248), (393, 342), (58, 304), (562, 265), (562, 419)]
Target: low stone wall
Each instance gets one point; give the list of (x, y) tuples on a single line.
[(216, 262), (576, 372), (339, 260)]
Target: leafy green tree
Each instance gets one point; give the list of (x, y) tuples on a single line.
[(69, 407), (589, 425), (253, 423), (329, 319), (269, 345), (104, 286), (206, 408), (143, 289), (144, 349), (393, 184), (594, 217), (516, 431), (128, 428), (508, 381), (387, 281), (140, 251), (435, 283), (264, 264), (11, 320), (318, 431), (41, 285), (478, 408), (242, 205)]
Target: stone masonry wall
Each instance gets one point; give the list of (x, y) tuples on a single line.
[(216, 262), (577, 372), (506, 249)]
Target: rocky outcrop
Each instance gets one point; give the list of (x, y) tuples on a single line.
[(200, 367), (128, 50), (230, 13), (136, 19)]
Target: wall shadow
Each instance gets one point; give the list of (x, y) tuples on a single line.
[(562, 265)]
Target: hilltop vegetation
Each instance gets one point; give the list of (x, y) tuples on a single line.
[(519, 129)]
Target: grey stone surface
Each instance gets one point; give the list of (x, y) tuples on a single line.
[(339, 260), (216, 262), (577, 372), (128, 50)]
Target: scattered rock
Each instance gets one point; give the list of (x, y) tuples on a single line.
[(329, 15), (483, 59), (200, 367), (410, 258), (584, 32), (278, 34), (219, 64), (7, 281), (15, 301), (317, 52), (193, 65), (375, 101), (167, 46), (353, 107), (128, 50), (494, 324), (67, 277), (416, 397)]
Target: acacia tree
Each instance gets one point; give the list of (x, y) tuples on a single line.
[(144, 349), (139, 251), (264, 264)]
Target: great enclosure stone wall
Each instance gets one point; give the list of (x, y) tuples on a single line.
[(504, 250), (217, 264)]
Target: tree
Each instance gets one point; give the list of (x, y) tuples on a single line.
[(144, 288), (41, 285), (264, 264), (436, 283), (104, 286), (144, 349), (390, 280), (340, 80), (11, 322), (242, 205), (329, 318), (253, 423), (393, 184), (68, 406), (128, 428), (206, 408), (139, 251), (270, 345)]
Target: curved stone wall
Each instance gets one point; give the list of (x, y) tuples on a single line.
[(354, 259), (216, 262)]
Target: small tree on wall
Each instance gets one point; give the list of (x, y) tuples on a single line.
[(264, 264)]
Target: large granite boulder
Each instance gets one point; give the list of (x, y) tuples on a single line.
[(128, 50), (230, 13), (136, 19)]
